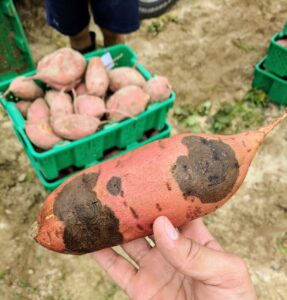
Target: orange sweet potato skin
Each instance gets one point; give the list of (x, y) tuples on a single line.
[(75, 126), (23, 107), (127, 101), (41, 134), (38, 111), (25, 89), (282, 42), (61, 69), (183, 177), (124, 76), (81, 89), (97, 79), (158, 88)]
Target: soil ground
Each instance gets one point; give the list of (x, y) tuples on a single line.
[(208, 50)]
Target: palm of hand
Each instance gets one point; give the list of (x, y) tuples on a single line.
[(155, 277)]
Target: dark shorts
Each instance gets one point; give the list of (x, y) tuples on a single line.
[(71, 16)]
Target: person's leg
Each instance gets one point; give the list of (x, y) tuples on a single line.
[(71, 18), (116, 19), (84, 41), (112, 38)]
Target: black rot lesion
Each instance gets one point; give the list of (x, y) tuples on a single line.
[(209, 171), (168, 186), (140, 227), (193, 212), (134, 213), (213, 180), (89, 225), (114, 186), (158, 207)]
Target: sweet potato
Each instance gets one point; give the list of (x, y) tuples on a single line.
[(183, 177), (25, 89), (158, 88), (81, 89), (60, 104), (50, 95), (97, 79), (23, 106), (41, 134), (282, 42), (38, 111), (62, 69), (123, 76), (90, 105), (126, 102), (74, 126)]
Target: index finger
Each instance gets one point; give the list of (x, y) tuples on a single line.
[(116, 266)]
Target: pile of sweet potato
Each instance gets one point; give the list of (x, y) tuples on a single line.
[(81, 96)]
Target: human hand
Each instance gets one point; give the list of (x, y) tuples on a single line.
[(186, 265)]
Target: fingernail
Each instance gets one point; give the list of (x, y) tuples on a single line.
[(170, 230)]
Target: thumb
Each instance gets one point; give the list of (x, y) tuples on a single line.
[(196, 261)]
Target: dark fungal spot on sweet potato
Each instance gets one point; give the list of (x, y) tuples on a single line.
[(140, 227), (134, 213), (213, 180), (209, 171), (161, 144), (89, 225), (158, 207), (114, 186), (244, 144), (168, 186)]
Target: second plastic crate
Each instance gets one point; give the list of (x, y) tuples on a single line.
[(276, 60), (274, 86), (91, 148)]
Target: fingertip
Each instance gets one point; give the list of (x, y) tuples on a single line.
[(164, 232), (158, 225), (158, 229)]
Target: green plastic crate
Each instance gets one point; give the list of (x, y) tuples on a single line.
[(91, 148), (51, 185), (274, 86), (15, 55), (276, 61)]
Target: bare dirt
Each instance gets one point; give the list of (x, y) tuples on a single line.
[(208, 49)]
